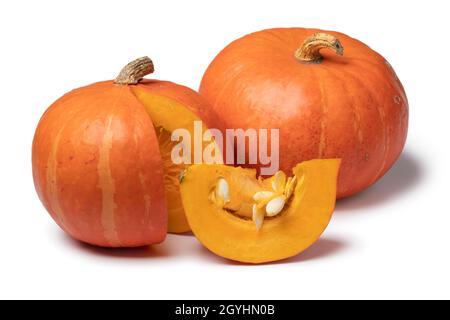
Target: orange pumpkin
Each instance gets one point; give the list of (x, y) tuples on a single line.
[(101, 158), (327, 101)]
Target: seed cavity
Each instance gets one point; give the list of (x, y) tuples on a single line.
[(275, 206), (222, 191), (258, 217), (266, 203)]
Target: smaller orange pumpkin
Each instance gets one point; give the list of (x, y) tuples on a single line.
[(101, 158)]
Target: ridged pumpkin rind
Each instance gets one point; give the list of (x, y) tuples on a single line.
[(96, 162), (352, 107)]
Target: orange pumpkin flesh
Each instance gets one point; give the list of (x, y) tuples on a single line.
[(326, 105), (98, 161), (233, 235), (168, 115)]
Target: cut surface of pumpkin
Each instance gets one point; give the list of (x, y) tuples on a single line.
[(253, 220), (167, 116)]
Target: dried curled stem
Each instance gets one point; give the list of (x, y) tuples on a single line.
[(309, 52), (135, 71)]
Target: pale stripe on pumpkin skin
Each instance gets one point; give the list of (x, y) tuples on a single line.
[(387, 142), (106, 184), (52, 182), (386, 138), (143, 181), (323, 123), (147, 201)]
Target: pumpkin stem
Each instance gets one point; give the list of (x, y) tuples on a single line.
[(309, 52), (135, 71)]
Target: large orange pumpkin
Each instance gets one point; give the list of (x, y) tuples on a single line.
[(101, 158), (330, 95)]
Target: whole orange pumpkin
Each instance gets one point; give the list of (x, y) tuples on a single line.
[(330, 95), (101, 158)]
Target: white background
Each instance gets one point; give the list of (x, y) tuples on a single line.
[(391, 241)]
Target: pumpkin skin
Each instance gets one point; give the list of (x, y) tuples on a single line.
[(351, 107), (97, 165)]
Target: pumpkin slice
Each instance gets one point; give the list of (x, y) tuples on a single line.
[(167, 116), (238, 216)]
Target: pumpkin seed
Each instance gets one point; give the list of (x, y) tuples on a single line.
[(263, 195), (279, 182), (258, 216), (223, 190), (290, 186), (275, 206)]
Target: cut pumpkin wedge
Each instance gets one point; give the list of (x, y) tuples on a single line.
[(222, 202), (169, 115)]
